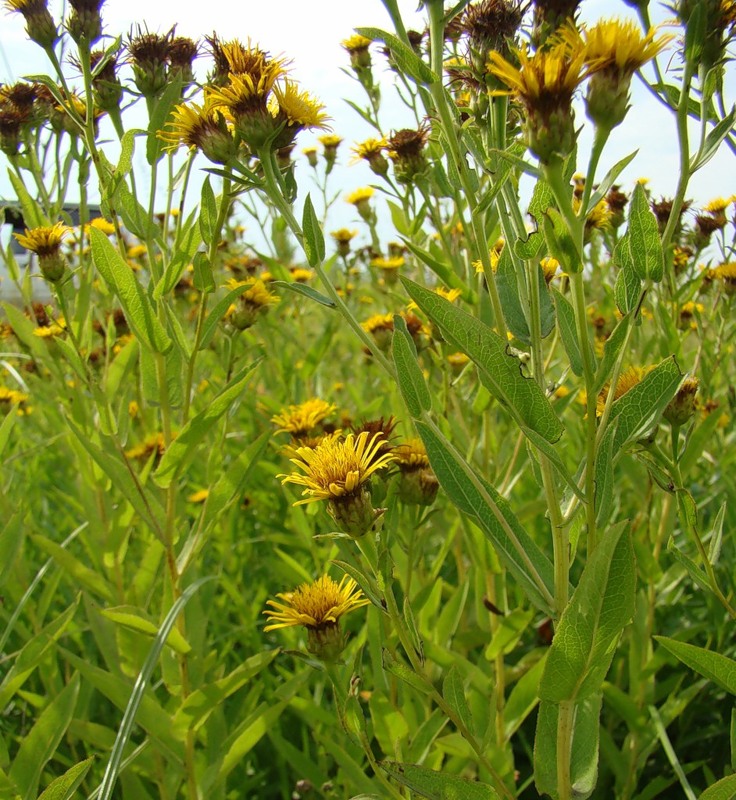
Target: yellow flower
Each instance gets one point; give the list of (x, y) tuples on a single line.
[(55, 328), (449, 294), (152, 444), (719, 204), (254, 301), (330, 140), (627, 380), (337, 467), (298, 420), (457, 360), (314, 605), (343, 235), (318, 607), (252, 61), (202, 127), (137, 251), (356, 43), (9, 397), (297, 110), (45, 240), (411, 454), (360, 195), (301, 275), (102, 225), (545, 83), (616, 43), (199, 497), (368, 149), (549, 267), (388, 263)]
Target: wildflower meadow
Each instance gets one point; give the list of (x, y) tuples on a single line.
[(421, 488)]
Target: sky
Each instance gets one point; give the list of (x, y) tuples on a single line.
[(310, 34)]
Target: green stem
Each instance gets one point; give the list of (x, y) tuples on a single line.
[(565, 721), (272, 188)]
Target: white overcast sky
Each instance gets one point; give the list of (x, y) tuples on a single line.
[(310, 34)]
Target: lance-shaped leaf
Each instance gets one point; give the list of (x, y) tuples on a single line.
[(437, 785), (714, 666), (645, 245), (584, 748), (406, 59), (508, 292), (411, 381), (499, 371), (515, 548), (139, 311), (590, 626), (314, 240), (182, 450)]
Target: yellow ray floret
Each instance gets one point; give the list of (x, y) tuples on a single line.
[(337, 467), (315, 605)]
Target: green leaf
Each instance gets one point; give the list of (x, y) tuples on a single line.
[(33, 216), (33, 652), (314, 240), (185, 252), (568, 331), (437, 785), (135, 217), (137, 306), (135, 620), (559, 241), (413, 387), (40, 743), (181, 451), (523, 698), (645, 246), (146, 505), (304, 291), (80, 574), (127, 147), (638, 410), (65, 786), (713, 141), (453, 691), (500, 372), (602, 189), (119, 368), (592, 622), (441, 269), (530, 248), (725, 789), (713, 666), (515, 548), (550, 451), (151, 716), (611, 349), (163, 106), (196, 709), (584, 750), (406, 59), (208, 213), (508, 292), (11, 538), (139, 690), (217, 313)]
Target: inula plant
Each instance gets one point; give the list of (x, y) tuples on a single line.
[(417, 489)]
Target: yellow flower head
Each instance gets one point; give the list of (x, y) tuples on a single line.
[(412, 454), (252, 61), (330, 141), (449, 294), (337, 467), (388, 263), (301, 275), (378, 322), (719, 204), (546, 79), (356, 43), (201, 127), (199, 497), (368, 149), (315, 605), (45, 240), (360, 195), (615, 44), (545, 83), (627, 380), (549, 267), (297, 109), (343, 235), (298, 420), (102, 225)]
